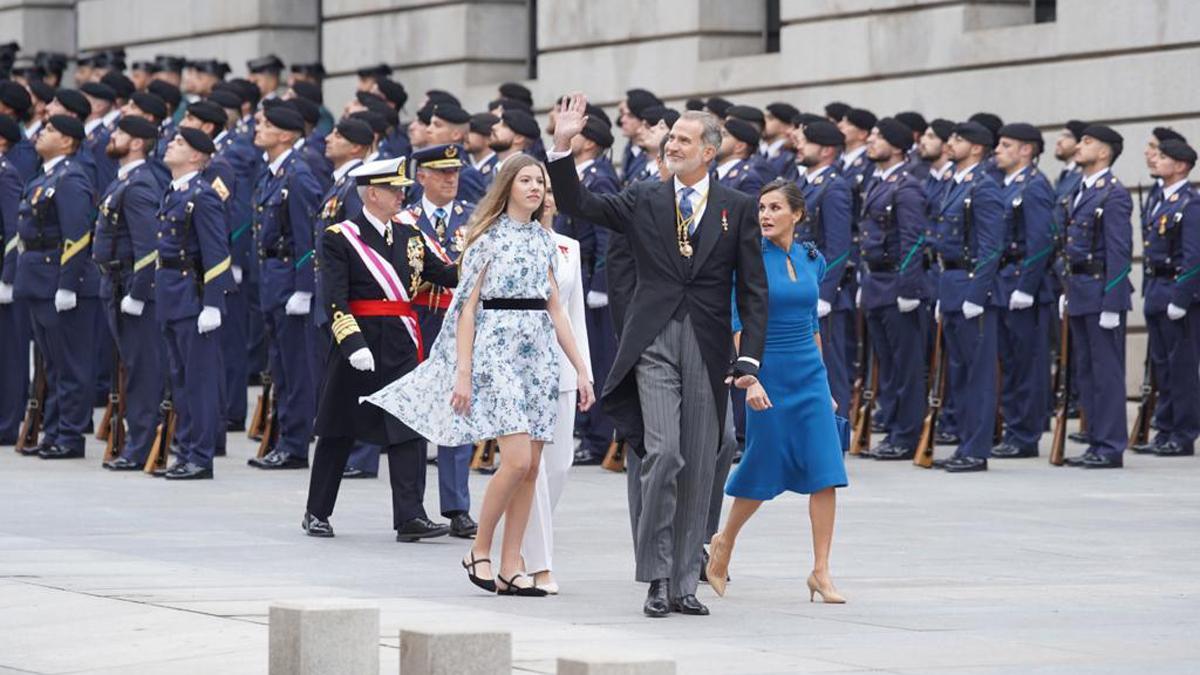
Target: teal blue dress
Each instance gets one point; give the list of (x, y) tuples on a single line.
[(793, 445)]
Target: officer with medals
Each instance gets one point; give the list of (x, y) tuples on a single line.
[(192, 278), (1023, 288), (968, 234), (57, 279), (126, 249), (371, 267), (285, 204), (14, 316), (1171, 267)]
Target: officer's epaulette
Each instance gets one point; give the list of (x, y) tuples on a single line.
[(335, 229), (459, 205)]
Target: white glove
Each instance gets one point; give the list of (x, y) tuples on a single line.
[(907, 305), (1062, 306), (237, 274), (1020, 300), (299, 304), (823, 309), (858, 297), (209, 320), (6, 293), (971, 310), (937, 310), (1175, 312), (596, 299), (362, 359), (1109, 320), (64, 300), (132, 307)]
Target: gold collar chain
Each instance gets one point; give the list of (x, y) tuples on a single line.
[(682, 224)]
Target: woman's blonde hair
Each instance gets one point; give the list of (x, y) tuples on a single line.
[(495, 202)]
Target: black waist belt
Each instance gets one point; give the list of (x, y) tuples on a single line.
[(515, 303), (114, 266), (276, 253), (948, 265), (1093, 267), (41, 244), (880, 267), (180, 264), (1160, 271), (1011, 258)]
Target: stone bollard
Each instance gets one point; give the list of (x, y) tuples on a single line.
[(450, 652), (614, 665), (320, 637)]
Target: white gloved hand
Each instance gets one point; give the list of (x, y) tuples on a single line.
[(1109, 320), (823, 309), (209, 320), (299, 304), (64, 300), (1062, 306), (907, 305), (237, 274), (6, 293), (363, 359), (937, 310), (1020, 300), (596, 299), (132, 307), (1175, 312), (971, 310), (858, 297)]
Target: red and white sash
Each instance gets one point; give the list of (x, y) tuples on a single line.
[(385, 275)]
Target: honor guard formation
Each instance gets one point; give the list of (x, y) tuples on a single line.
[(201, 255)]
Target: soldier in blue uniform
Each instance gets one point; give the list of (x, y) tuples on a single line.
[(57, 279), (1064, 192), (778, 125), (479, 134), (856, 125), (264, 73), (1098, 255), (193, 275), (101, 98), (893, 284), (14, 316), (629, 113), (739, 142), (968, 234), (125, 249), (285, 205), (992, 122), (313, 74), (16, 102), (1171, 266), (1023, 289), (313, 155), (449, 125), (515, 133), (170, 95)]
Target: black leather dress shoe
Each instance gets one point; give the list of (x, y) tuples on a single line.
[(353, 473), (421, 528), (941, 463), (943, 438), (59, 452), (657, 604), (688, 604), (1174, 449), (1010, 451), (122, 464), (966, 465), (1079, 437), (32, 451), (1145, 448), (175, 466), (870, 453), (587, 458), (893, 453), (1098, 461), (278, 459), (1078, 460), (190, 471), (315, 527), (462, 526)]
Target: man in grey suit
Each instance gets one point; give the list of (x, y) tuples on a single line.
[(695, 244)]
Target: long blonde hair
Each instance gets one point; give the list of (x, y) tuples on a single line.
[(495, 202)]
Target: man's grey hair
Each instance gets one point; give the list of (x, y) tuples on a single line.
[(711, 135)]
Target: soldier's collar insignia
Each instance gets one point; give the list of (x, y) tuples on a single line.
[(458, 208), (487, 168), (1020, 178), (416, 210), (1173, 198), (1100, 183), (733, 173), (858, 162), (818, 179), (967, 178), (892, 178)]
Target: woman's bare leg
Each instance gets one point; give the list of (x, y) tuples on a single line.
[(516, 516), (516, 458)]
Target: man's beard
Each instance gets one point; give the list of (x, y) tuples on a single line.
[(114, 151), (500, 146), (681, 166)]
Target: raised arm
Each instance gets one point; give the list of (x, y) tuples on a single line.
[(613, 211)]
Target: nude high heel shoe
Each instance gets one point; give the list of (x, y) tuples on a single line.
[(829, 594), (717, 570)]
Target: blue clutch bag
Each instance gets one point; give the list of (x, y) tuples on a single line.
[(843, 429)]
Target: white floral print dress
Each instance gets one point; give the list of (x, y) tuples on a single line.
[(514, 374)]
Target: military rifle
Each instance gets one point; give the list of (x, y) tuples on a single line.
[(262, 409), (861, 438), (614, 459), (484, 457), (31, 426), (860, 373), (270, 432), (164, 435), (114, 441), (937, 392), (1058, 442), (1140, 435)]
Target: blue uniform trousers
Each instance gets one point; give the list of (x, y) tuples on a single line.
[(1025, 364), (15, 336), (140, 345), (454, 461), (597, 431), (1101, 378), (898, 338), (291, 375), (833, 341), (234, 352), (67, 341), (195, 364), (105, 356), (1175, 355), (971, 352)]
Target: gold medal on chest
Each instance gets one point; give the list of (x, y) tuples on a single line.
[(685, 249)]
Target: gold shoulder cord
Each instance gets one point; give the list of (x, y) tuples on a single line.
[(682, 224)]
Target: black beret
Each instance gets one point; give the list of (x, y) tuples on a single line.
[(285, 117), (377, 71), (15, 96), (247, 89), (516, 91), (146, 66), (43, 91), (637, 99), (198, 140), (989, 120), (67, 126), (308, 90), (442, 96), (166, 91), (1178, 149), (594, 110), (1076, 128), (356, 131), (99, 90), (425, 113), (1105, 134), (207, 111), (373, 119), (226, 98), (215, 67), (393, 91), (388, 113), (521, 123), (170, 63), (896, 133), (1167, 134), (367, 98), (311, 69), (265, 64), (307, 109), (913, 120), (9, 129), (482, 123), (119, 83), (671, 116), (974, 132), (694, 104), (597, 131), (804, 119), (742, 130), (510, 104), (138, 127), (150, 104), (863, 119), (451, 113), (652, 115), (717, 105), (74, 101), (1024, 132), (836, 110), (785, 112), (942, 128), (823, 132), (748, 113)]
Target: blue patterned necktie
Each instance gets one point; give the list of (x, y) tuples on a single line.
[(685, 209)]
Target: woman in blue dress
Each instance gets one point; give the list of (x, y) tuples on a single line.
[(792, 441)]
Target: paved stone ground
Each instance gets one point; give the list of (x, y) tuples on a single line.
[(1024, 569)]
